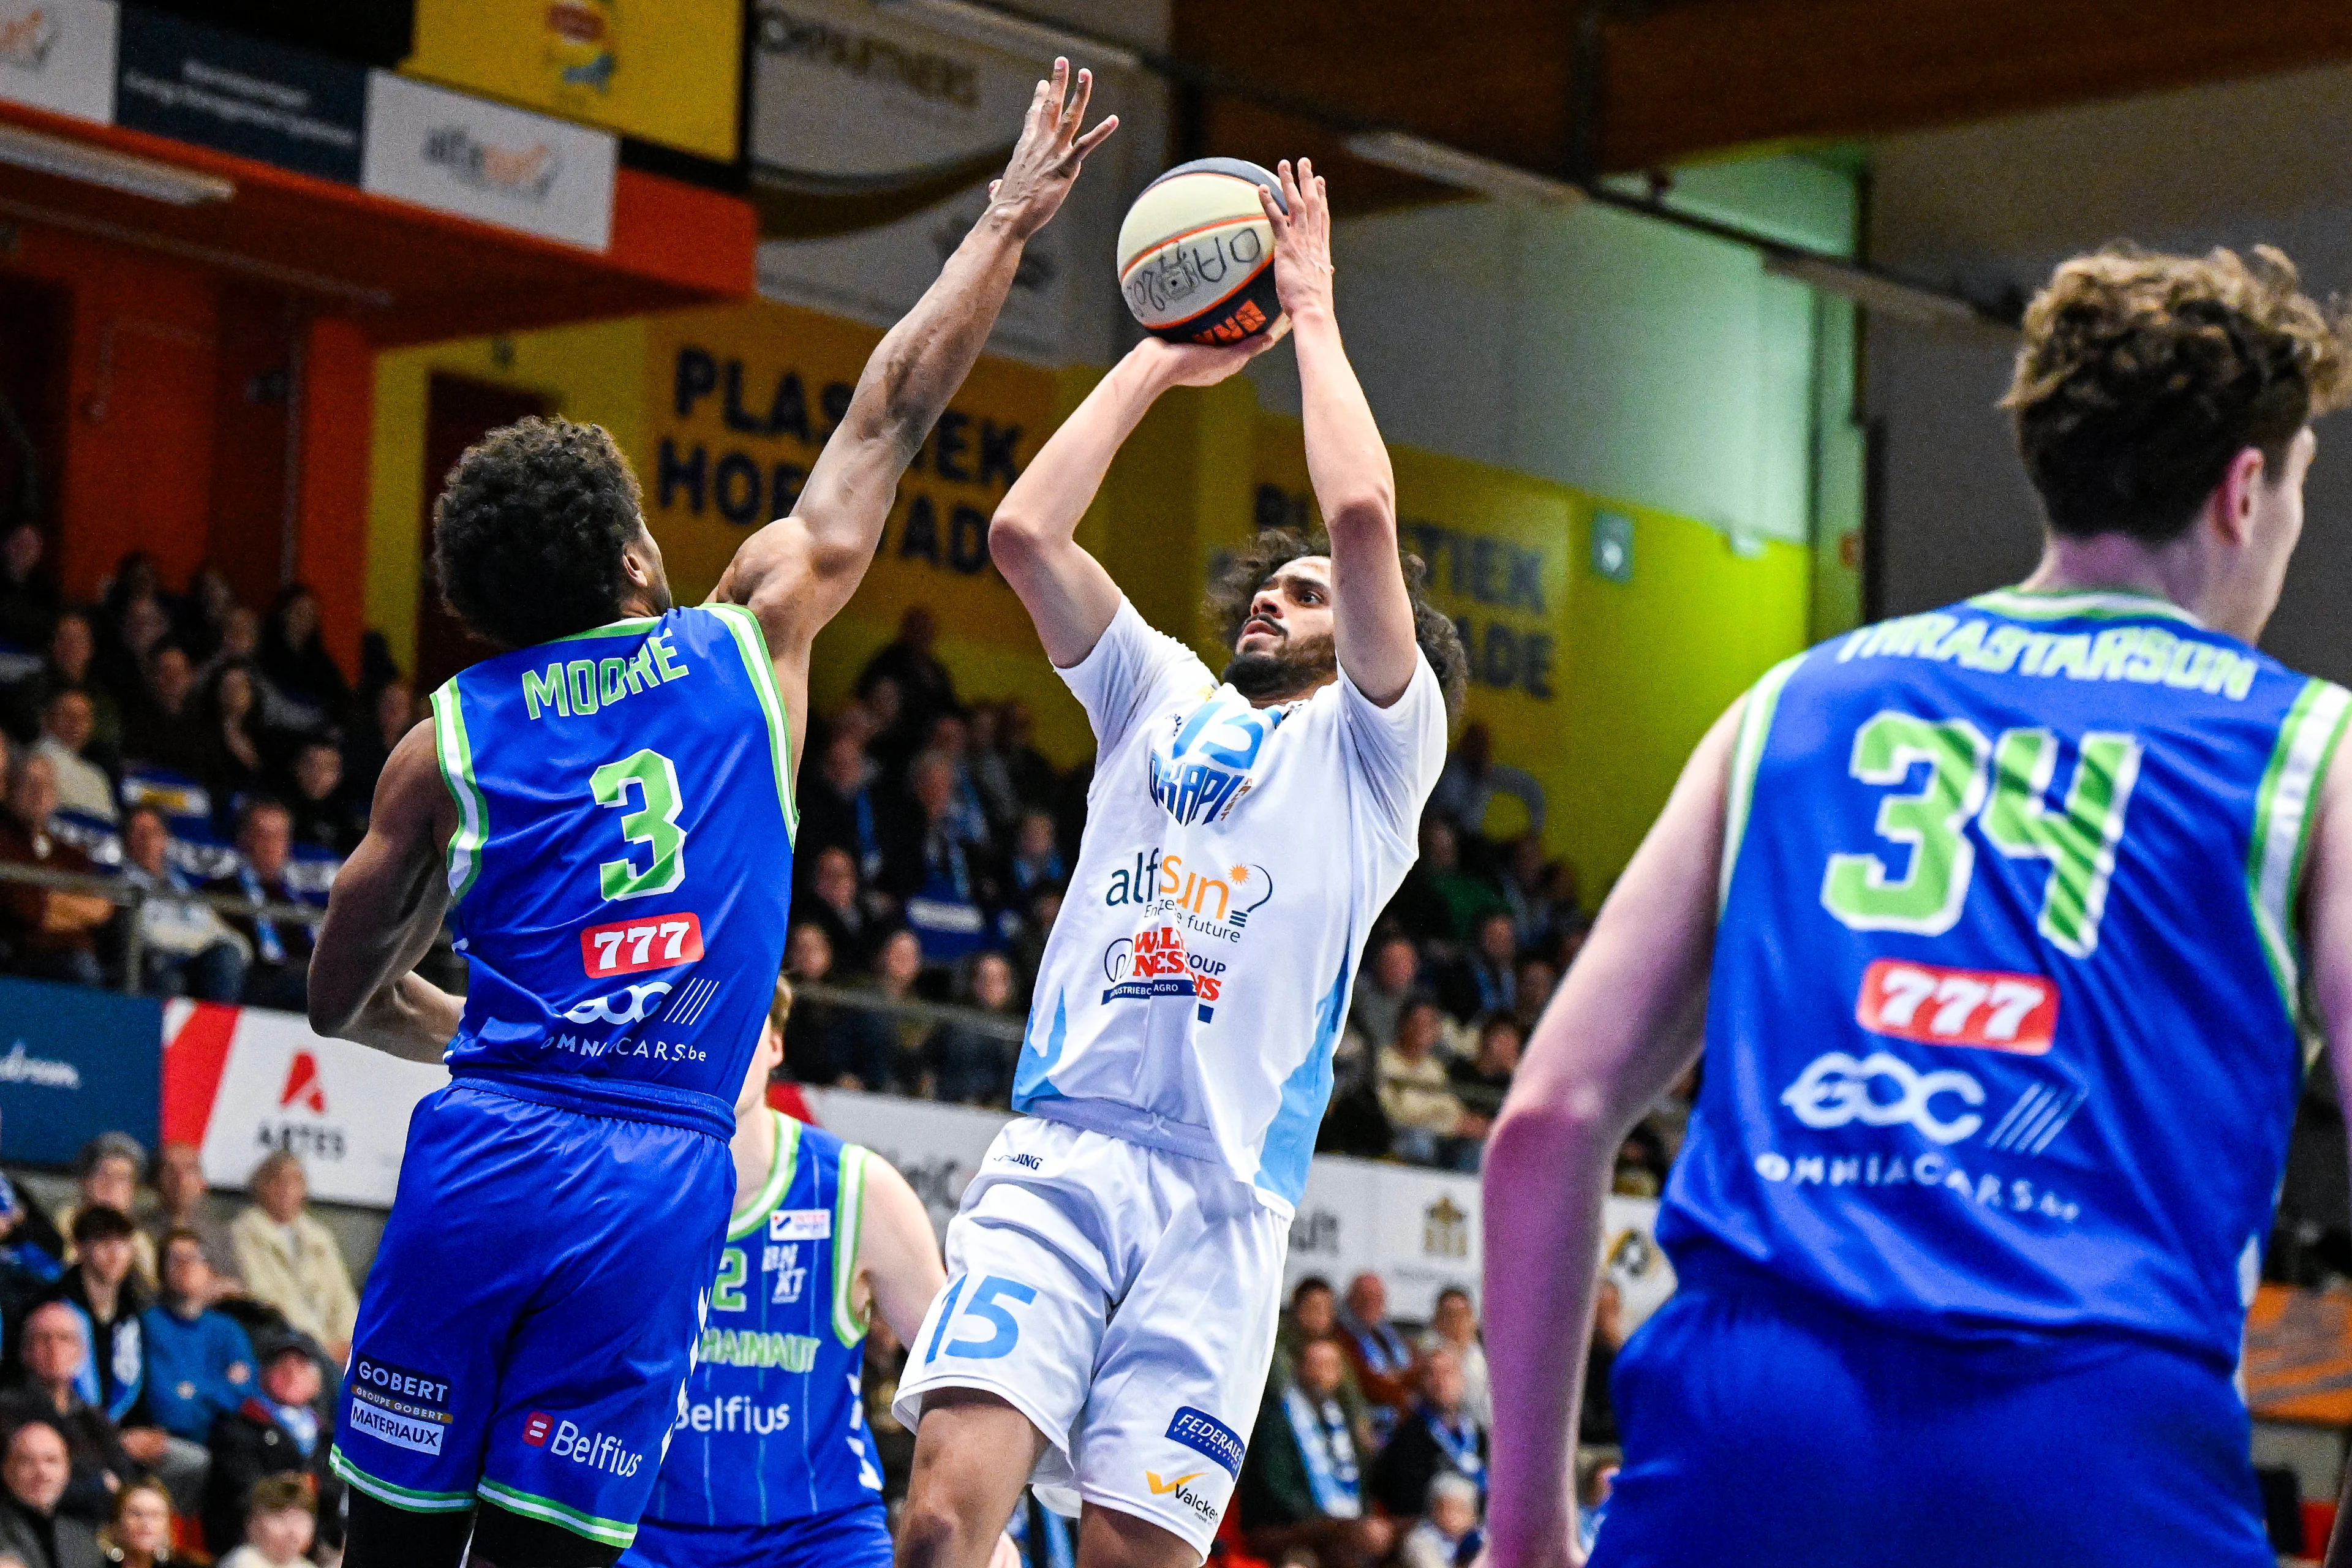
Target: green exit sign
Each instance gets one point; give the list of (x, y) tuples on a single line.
[(1612, 546)]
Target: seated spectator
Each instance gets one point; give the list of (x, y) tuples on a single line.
[(72, 648), (1037, 854), (165, 729), (1300, 1486), (1314, 1314), (185, 948), (1378, 1352), (280, 973), (106, 1175), (240, 643), (1524, 881), (305, 690), (1484, 979), (52, 934), (825, 1043), (961, 1065), (843, 910), (107, 1297), (897, 967), (1027, 947), (139, 1534), (1454, 1329), (1447, 1530), (1481, 1082), (55, 1356), (1390, 970), (1428, 1121), (202, 615), (950, 739), (285, 1430), (1532, 993), (34, 1527), (281, 1524), (1438, 901), (841, 806), (1473, 778), (940, 877), (1436, 1437), (291, 1261), (324, 817), (992, 772), (230, 758), (925, 688), (32, 1248), (180, 1191), (1036, 780), (199, 1360), (66, 725), (390, 715)]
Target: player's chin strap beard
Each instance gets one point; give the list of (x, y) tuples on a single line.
[(1279, 676)]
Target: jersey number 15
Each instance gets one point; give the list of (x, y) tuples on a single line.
[(2002, 787)]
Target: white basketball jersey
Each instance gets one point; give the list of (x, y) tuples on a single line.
[(1234, 860)]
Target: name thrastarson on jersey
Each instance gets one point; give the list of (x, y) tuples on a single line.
[(2150, 655)]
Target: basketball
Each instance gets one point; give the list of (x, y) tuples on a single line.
[(1196, 254)]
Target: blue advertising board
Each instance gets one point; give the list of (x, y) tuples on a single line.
[(74, 1063), (221, 89)]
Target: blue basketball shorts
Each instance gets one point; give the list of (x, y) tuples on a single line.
[(854, 1537), (532, 1313), (1768, 1431)]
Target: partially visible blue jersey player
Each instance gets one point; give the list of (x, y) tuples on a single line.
[(2002, 927), (771, 1463), (604, 812)]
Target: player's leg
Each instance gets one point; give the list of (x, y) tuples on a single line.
[(445, 1287), (1043, 1247), (595, 1362), (1181, 1372), (973, 1454)]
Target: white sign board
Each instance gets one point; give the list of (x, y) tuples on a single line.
[(852, 97), (59, 54), (344, 1108), (484, 160)]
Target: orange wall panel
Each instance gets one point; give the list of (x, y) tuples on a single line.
[(336, 390)]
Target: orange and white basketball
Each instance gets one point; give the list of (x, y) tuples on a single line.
[(1196, 254)]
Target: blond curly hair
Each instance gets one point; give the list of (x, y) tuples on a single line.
[(2141, 376)]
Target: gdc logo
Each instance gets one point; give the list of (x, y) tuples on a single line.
[(1836, 1089)]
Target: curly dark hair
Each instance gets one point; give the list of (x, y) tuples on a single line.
[(527, 532), (1232, 587), (2142, 376)]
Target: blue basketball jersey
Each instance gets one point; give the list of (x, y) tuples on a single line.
[(622, 868), (2005, 1034), (771, 1426)]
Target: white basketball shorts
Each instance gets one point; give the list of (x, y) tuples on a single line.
[(1124, 1300)]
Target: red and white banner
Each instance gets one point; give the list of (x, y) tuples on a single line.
[(240, 1082)]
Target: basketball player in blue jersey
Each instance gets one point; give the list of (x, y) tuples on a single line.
[(769, 1465), (604, 813), (1995, 925), (1115, 1271)]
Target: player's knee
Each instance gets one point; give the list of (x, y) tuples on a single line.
[(505, 1540), (937, 1531)]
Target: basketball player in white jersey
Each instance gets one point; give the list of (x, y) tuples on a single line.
[(1114, 1272)]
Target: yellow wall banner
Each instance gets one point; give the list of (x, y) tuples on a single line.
[(666, 70)]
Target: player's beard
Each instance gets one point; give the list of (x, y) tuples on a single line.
[(1292, 670)]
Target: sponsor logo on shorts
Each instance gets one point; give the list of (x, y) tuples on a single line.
[(597, 1450), (412, 1397), (400, 1431), (536, 1426), (1205, 1434), (1181, 1488), (1027, 1162), (800, 1224)]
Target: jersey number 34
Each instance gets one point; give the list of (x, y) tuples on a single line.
[(2002, 787)]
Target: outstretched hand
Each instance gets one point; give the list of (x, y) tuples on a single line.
[(1205, 364), (1302, 237), (1047, 158)]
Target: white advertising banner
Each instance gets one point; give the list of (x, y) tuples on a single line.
[(484, 160), (852, 100), (261, 1081), (59, 54), (937, 1148)]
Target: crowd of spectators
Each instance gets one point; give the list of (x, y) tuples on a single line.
[(188, 743), (166, 1375)]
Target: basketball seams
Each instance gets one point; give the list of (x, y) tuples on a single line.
[(1143, 256)]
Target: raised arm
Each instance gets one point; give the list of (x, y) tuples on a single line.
[(1623, 1025), (1346, 461), (1034, 536), (382, 917), (798, 572)]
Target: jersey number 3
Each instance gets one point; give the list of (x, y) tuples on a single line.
[(2078, 840), (655, 826)]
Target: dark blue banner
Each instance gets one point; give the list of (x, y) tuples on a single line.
[(75, 1063), (289, 107)]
